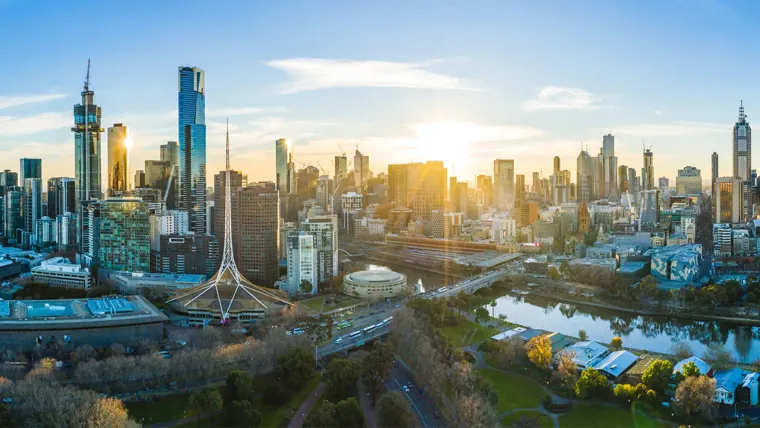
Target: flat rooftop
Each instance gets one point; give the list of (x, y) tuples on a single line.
[(77, 313)]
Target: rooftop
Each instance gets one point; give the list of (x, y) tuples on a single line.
[(703, 367), (729, 379), (586, 353), (616, 363), (632, 267), (375, 275)]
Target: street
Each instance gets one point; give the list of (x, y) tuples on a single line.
[(423, 406)]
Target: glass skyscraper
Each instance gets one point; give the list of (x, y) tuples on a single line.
[(30, 168), (124, 235), (192, 146), (87, 147)]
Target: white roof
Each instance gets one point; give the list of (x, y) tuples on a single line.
[(507, 334), (616, 363), (586, 352), (703, 367)]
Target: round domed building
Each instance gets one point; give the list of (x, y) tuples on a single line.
[(374, 283)]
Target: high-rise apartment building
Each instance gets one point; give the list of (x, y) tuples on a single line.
[(87, 154), (170, 155), (12, 219), (66, 231), (647, 172), (192, 146), (89, 231), (689, 181), (361, 170), (610, 165), (714, 174), (484, 190), (325, 231), (504, 183), (633, 182), (117, 160), (520, 186), (302, 263), (124, 235), (341, 168), (7, 179), (30, 168), (283, 160), (742, 159), (31, 204), (259, 232), (585, 177), (140, 179), (61, 196), (728, 200)]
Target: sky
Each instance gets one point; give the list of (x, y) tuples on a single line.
[(465, 82)]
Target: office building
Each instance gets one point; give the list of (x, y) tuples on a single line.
[(283, 166), (419, 186), (31, 204), (186, 254), (258, 237), (45, 233), (585, 177), (192, 146), (714, 174), (139, 179), (168, 222), (361, 170), (457, 195), (742, 159), (689, 181), (325, 231), (341, 168), (610, 165), (650, 208), (59, 272), (520, 187), (89, 232), (61, 196), (556, 164), (528, 214), (663, 183), (484, 190), (169, 153), (445, 224), (124, 235), (238, 180), (302, 264), (87, 155), (117, 160), (30, 168), (157, 174), (504, 183), (728, 200), (633, 182), (323, 193), (7, 179), (622, 179), (66, 231), (647, 172)]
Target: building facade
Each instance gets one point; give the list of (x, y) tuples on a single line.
[(728, 200), (124, 235), (325, 232), (186, 254), (689, 181), (302, 263), (118, 168), (504, 183), (259, 233), (192, 146), (87, 153), (742, 160)]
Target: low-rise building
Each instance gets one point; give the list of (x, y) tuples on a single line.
[(154, 283), (615, 364), (726, 384), (374, 284), (702, 366), (58, 272), (676, 263), (586, 354)]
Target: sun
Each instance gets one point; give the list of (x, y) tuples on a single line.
[(445, 141), (128, 143)]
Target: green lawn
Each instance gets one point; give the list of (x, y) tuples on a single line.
[(314, 303), (514, 391), (164, 409), (543, 419), (272, 415), (591, 416), (458, 335)]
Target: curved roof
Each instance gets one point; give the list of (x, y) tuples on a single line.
[(377, 275)]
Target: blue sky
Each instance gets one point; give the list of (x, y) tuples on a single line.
[(463, 82)]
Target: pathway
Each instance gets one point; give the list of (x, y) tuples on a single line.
[(176, 422), (365, 401), (306, 406)]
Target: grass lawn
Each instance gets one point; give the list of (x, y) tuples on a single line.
[(514, 391), (271, 416), (591, 416), (164, 409), (314, 303), (457, 335), (543, 419)]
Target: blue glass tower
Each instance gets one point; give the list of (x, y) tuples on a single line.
[(192, 146), (87, 131)]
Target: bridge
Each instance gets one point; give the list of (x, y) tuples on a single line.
[(348, 344), (469, 285)]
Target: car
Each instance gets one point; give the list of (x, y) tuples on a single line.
[(405, 388), (7, 400), (340, 340), (398, 306), (409, 384)]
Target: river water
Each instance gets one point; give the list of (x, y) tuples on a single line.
[(654, 334)]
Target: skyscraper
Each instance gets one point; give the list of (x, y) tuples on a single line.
[(61, 196), (117, 160), (504, 183), (7, 179), (259, 233), (714, 174), (420, 186), (238, 180), (341, 168), (556, 164), (170, 155), (361, 170), (742, 158), (192, 146), (302, 263), (87, 146), (485, 190), (31, 204), (585, 177), (520, 187), (30, 168), (325, 231), (124, 235), (622, 179), (647, 173), (282, 161), (689, 181), (610, 164), (728, 200)]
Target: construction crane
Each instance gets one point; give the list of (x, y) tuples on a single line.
[(341, 149), (87, 79), (168, 187), (323, 170)]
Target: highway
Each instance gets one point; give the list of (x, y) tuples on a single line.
[(423, 406)]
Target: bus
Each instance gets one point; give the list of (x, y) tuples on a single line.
[(442, 289), (297, 331), (388, 320), (369, 329), (354, 335)]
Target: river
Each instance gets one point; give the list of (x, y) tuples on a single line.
[(651, 333)]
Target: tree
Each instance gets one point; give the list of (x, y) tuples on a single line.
[(340, 379), (376, 366), (506, 353), (241, 414), (695, 397), (717, 356), (539, 350), (657, 375), (239, 386), (680, 351), (564, 267), (493, 308), (689, 370), (481, 314), (393, 411), (348, 413), (566, 372), (592, 384), (552, 273), (648, 285), (295, 367), (639, 392), (322, 416), (206, 401), (306, 287), (616, 343), (582, 335)]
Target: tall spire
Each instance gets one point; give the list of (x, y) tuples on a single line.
[(742, 116)]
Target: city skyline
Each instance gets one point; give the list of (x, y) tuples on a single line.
[(421, 103)]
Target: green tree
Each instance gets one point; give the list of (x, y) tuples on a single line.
[(552, 273), (393, 411), (207, 400), (241, 414), (376, 366), (648, 285), (239, 386), (582, 335), (690, 369), (295, 367), (539, 350), (616, 343), (592, 384), (638, 392), (695, 397), (657, 375), (493, 308), (322, 416), (306, 287), (340, 379), (348, 413), (564, 267), (481, 314)]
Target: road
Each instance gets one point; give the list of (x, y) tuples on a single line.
[(423, 406), (468, 284), (305, 408)]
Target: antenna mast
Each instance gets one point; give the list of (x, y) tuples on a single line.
[(87, 79)]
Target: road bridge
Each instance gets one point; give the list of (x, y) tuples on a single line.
[(469, 285)]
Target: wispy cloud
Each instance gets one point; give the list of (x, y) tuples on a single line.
[(310, 74), (659, 112), (241, 111), (560, 98), (13, 101), (678, 128), (10, 125)]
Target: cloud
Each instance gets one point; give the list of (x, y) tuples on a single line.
[(674, 129), (13, 101), (309, 74), (240, 111), (10, 125), (559, 98), (659, 112)]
